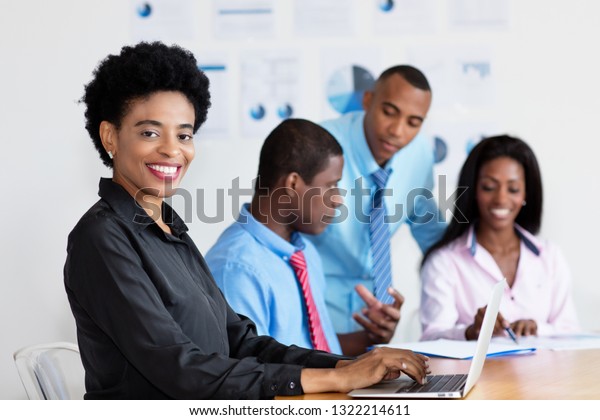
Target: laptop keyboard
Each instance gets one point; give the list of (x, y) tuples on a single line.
[(437, 383)]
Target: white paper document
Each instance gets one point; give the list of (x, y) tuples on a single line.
[(558, 342), (454, 349)]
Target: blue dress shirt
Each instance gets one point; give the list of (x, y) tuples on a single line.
[(345, 246), (250, 264)]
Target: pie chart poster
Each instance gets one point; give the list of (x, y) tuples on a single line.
[(346, 75)]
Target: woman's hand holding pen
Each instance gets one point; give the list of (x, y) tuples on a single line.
[(522, 327)]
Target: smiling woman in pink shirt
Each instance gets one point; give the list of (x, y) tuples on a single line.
[(491, 237)]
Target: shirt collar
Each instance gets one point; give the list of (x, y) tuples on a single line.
[(361, 152), (530, 241), (130, 211), (267, 237)]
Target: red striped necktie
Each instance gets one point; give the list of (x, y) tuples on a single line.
[(317, 336)]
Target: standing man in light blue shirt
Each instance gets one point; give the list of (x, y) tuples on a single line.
[(253, 260), (383, 138)]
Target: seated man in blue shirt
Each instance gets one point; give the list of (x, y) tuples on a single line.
[(265, 268), (388, 178)]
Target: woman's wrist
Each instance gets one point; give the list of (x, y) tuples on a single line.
[(320, 380)]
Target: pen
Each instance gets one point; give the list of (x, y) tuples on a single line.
[(511, 334)]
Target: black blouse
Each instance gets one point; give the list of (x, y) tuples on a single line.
[(151, 322)]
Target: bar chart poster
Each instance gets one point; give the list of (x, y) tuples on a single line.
[(216, 67), (243, 19), (461, 76), (318, 18)]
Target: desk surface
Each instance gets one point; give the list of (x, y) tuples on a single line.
[(545, 374)]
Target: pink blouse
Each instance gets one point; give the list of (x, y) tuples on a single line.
[(458, 279)]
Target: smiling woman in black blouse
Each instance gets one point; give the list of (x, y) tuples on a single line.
[(151, 323)]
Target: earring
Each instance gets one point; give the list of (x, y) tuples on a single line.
[(110, 155), (524, 203)]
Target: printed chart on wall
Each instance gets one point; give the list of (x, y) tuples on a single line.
[(162, 20), (394, 17), (478, 14), (271, 90), (243, 19), (347, 75), (216, 67), (452, 141), (464, 101), (460, 76), (324, 18)]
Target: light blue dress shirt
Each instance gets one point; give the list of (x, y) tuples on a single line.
[(250, 263), (345, 246)]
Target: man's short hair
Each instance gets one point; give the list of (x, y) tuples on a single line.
[(295, 145), (411, 74)]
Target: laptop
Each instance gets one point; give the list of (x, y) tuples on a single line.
[(443, 386)]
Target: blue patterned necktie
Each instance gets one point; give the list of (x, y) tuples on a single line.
[(379, 234)]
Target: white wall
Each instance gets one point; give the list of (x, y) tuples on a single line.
[(548, 93)]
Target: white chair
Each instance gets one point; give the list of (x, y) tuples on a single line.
[(51, 371)]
